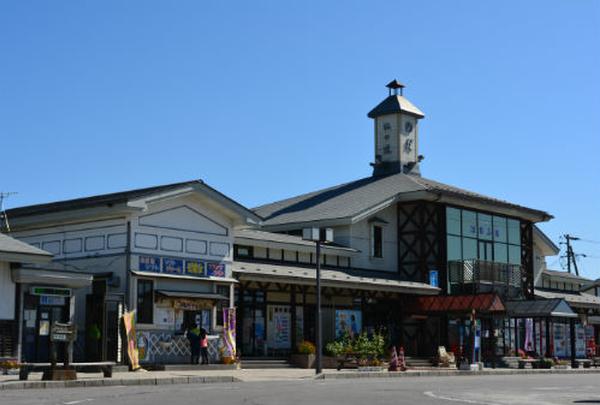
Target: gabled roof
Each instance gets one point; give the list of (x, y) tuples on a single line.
[(350, 202), (574, 299), (130, 196), (549, 248), (540, 308), (395, 104), (486, 303), (13, 250), (565, 275)]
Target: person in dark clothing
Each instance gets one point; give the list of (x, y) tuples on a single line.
[(203, 338), (193, 335)]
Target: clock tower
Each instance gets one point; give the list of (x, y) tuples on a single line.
[(396, 133)]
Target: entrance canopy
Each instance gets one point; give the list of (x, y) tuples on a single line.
[(364, 280), (541, 308), (486, 303)]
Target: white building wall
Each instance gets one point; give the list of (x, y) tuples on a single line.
[(358, 236), (7, 293)]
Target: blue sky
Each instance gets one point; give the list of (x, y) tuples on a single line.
[(268, 99)]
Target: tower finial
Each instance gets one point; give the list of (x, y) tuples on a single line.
[(393, 86)]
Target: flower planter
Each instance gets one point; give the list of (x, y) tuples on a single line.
[(304, 360)]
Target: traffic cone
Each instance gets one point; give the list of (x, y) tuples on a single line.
[(393, 360), (401, 360)]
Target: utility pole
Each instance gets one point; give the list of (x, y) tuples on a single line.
[(571, 257), (3, 216)]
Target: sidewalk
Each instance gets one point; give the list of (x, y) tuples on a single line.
[(231, 375), (158, 378)]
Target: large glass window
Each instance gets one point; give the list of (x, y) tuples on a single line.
[(475, 235), (145, 301), (453, 221)]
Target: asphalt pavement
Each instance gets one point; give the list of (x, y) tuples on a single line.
[(484, 390)]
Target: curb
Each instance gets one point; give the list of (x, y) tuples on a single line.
[(111, 382), (449, 373)]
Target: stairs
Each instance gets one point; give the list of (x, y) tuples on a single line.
[(253, 363), (418, 362)]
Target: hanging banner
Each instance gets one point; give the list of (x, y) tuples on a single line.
[(229, 326), (528, 335), (132, 350)]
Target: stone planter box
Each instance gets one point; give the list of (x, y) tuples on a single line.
[(562, 367), (305, 360), (371, 369)]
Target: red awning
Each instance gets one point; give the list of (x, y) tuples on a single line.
[(458, 303)]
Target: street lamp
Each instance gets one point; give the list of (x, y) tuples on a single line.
[(318, 235)]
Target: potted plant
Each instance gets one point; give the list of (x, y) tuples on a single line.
[(8, 364), (305, 355)]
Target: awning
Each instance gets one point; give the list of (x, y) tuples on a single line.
[(192, 295), (51, 277), (364, 280), (540, 308), (574, 299), (183, 277), (486, 303)]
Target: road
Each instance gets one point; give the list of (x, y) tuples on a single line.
[(473, 390)]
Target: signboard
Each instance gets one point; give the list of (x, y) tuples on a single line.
[(229, 331), (149, 263), (215, 270), (51, 291), (172, 266), (433, 278), (63, 332), (194, 268), (347, 321), (52, 300)]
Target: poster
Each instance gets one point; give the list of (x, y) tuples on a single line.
[(164, 316), (172, 266), (143, 344), (132, 350), (215, 270), (560, 340), (229, 326), (281, 321), (580, 341), (347, 321)]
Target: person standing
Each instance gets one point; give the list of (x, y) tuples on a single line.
[(193, 335), (204, 345)]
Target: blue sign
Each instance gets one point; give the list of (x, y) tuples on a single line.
[(172, 266), (433, 278), (149, 263), (215, 270)]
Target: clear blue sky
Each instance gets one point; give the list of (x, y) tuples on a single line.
[(265, 100)]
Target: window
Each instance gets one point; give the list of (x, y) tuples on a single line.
[(243, 251), (224, 291), (376, 241), (476, 235), (145, 301)]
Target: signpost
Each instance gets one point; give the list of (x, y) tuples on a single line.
[(65, 334)]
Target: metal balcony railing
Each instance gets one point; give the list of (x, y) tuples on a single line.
[(475, 276)]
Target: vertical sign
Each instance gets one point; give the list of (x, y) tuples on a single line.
[(433, 278)]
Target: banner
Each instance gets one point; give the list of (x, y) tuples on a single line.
[(229, 326), (132, 350), (347, 321)]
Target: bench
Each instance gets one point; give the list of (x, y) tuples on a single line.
[(106, 367), (523, 363), (347, 358), (585, 363)]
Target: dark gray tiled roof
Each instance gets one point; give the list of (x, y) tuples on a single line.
[(13, 246), (564, 274), (351, 199), (554, 307), (395, 104), (114, 198)]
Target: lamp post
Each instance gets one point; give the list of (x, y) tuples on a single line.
[(318, 235)]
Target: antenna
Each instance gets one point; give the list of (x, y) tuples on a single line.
[(3, 216)]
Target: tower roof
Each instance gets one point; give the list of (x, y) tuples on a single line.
[(395, 104)]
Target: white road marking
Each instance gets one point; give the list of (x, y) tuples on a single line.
[(79, 401), (466, 401)]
